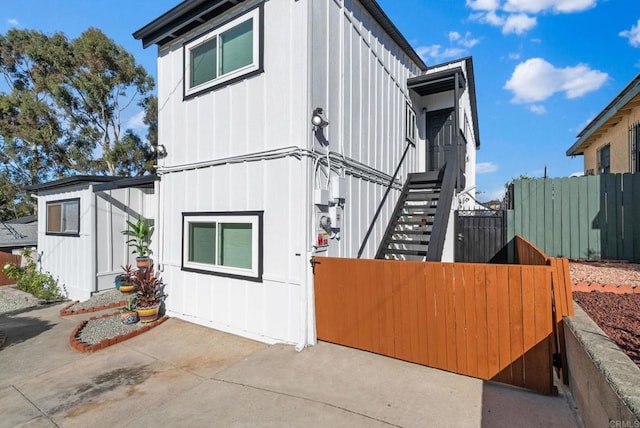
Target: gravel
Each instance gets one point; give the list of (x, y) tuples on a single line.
[(605, 272), (100, 299), (103, 328), (13, 300)]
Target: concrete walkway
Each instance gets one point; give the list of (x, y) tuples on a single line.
[(180, 374)]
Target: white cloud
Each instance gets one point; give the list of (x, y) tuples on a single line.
[(577, 174), (538, 109), (483, 4), (633, 35), (436, 52), (136, 121), (486, 167), (460, 44), (557, 6), (13, 22), (518, 24), (492, 195), (514, 56), (516, 15), (536, 80)]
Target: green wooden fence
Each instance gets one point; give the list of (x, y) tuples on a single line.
[(593, 217)]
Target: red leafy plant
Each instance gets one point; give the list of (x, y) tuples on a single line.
[(149, 286)]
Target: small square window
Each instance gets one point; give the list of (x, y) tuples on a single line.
[(410, 124), (604, 159), (226, 244), (63, 217), (228, 52)]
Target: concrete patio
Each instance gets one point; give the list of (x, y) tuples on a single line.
[(182, 374)]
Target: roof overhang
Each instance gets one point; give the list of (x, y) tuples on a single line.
[(444, 80), (70, 181), (628, 98), (181, 19), (100, 182), (191, 13), (438, 81), (141, 182)]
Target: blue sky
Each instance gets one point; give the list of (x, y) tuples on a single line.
[(543, 68)]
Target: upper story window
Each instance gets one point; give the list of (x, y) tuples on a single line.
[(63, 217), (226, 53), (604, 159), (410, 125)]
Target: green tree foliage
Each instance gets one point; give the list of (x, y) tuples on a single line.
[(62, 113)]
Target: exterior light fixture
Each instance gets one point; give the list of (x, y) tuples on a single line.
[(161, 151), (317, 120)]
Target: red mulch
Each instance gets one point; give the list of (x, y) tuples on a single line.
[(618, 315)]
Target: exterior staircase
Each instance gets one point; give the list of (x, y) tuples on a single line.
[(410, 229)]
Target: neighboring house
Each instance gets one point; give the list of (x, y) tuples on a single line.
[(285, 123), (80, 220), (610, 143), (15, 235)]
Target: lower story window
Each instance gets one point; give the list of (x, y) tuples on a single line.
[(223, 243)]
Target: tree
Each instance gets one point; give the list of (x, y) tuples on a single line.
[(64, 108)]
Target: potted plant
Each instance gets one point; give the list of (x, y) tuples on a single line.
[(120, 280), (128, 313), (149, 294), (139, 234), (127, 286)]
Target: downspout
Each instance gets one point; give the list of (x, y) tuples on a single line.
[(307, 317), (93, 237)]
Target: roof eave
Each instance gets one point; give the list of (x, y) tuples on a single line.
[(183, 15), (624, 97)]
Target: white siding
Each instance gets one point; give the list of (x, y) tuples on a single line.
[(269, 310), (262, 113), (359, 77), (69, 259), (113, 209)]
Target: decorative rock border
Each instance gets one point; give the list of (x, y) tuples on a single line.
[(605, 288), (66, 312), (83, 347)]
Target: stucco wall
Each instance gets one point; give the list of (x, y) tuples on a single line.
[(618, 137)]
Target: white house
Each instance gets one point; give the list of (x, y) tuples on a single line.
[(285, 122), (80, 220)]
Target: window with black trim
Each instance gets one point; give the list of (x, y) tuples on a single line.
[(223, 243), (604, 159), (223, 54), (634, 144), (410, 124), (63, 217)]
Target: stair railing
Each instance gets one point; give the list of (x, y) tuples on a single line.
[(384, 199), (443, 210)]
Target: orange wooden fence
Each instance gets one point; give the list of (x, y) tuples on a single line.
[(493, 322), (4, 259)]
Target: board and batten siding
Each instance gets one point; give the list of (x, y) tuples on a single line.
[(113, 208), (267, 311), (358, 77), (69, 259), (264, 112)]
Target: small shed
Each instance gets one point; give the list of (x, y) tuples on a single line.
[(80, 220)]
